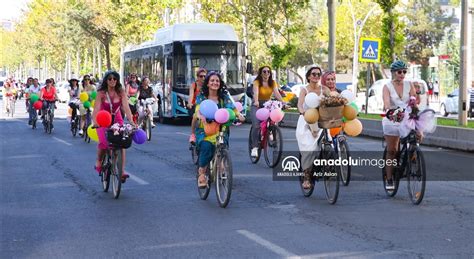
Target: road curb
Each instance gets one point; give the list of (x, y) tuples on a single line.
[(444, 136)]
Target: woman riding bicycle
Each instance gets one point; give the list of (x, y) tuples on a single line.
[(263, 88), (131, 88), (74, 102), (396, 95), (145, 92), (48, 95), (110, 97), (213, 89), (194, 91), (87, 87), (313, 76)]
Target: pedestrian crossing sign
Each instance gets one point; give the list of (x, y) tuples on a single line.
[(369, 50)]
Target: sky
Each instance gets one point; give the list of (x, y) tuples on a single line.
[(11, 9)]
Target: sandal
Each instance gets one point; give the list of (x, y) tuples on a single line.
[(124, 177), (307, 184), (98, 169), (202, 180)]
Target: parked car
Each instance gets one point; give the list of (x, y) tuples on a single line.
[(62, 89), (375, 102), (450, 104)]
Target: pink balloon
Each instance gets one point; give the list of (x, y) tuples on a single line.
[(262, 114), (239, 106), (277, 115), (221, 116)]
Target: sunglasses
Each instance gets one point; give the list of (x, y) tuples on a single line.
[(401, 71), (87, 79), (202, 76), (316, 74), (265, 71), (111, 78)]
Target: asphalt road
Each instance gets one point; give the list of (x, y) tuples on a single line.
[(52, 205)]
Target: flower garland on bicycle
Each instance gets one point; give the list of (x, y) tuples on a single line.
[(213, 89), (111, 97)]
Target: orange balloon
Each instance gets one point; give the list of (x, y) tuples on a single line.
[(349, 112), (311, 116), (335, 131), (211, 128), (353, 128)]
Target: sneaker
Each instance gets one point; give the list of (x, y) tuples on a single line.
[(389, 185), (153, 125), (254, 152), (192, 138), (81, 132)]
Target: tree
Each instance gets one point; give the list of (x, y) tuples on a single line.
[(392, 37)]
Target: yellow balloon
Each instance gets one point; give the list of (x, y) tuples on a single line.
[(92, 104), (353, 128), (311, 116), (349, 112), (92, 133), (84, 97)]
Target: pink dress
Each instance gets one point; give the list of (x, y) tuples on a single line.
[(105, 106)]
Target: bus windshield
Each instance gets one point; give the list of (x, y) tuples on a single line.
[(223, 57)]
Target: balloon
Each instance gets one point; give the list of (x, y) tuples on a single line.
[(354, 105), (311, 116), (132, 100), (34, 98), (312, 100), (93, 95), (104, 118), (277, 115), (353, 128), (262, 114), (87, 104), (139, 137), (69, 111), (38, 105), (349, 95), (221, 116), (231, 114), (92, 133), (349, 112), (208, 109), (239, 106), (335, 131), (83, 97), (211, 128), (92, 103)]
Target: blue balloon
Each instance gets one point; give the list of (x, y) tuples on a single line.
[(139, 137), (208, 108)]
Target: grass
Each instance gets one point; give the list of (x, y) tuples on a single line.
[(441, 121)]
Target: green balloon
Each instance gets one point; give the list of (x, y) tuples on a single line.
[(231, 115), (87, 104), (344, 119), (93, 95), (34, 98), (354, 105), (132, 100)]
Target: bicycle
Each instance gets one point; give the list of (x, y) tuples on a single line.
[(75, 123), (48, 117), (329, 174), (10, 104), (270, 140), (194, 152), (111, 164), (144, 119), (219, 171), (342, 150), (87, 123)]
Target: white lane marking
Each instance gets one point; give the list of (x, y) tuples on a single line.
[(181, 133), (24, 156), (180, 244), (267, 244), (137, 179), (62, 141)]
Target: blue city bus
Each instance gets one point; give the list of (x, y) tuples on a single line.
[(173, 57)]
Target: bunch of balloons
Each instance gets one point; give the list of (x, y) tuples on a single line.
[(211, 111), (276, 115)]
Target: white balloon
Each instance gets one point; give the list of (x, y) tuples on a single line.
[(312, 100), (348, 95)]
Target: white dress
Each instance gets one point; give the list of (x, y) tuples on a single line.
[(391, 128), (307, 143)]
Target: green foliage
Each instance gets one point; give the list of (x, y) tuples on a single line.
[(281, 55)]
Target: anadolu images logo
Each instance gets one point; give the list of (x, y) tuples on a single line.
[(290, 163)]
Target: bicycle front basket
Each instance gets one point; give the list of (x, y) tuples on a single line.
[(118, 141)]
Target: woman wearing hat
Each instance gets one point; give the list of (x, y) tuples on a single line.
[(74, 103)]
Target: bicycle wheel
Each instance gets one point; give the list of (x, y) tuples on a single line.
[(106, 172), (116, 172), (396, 179), (203, 192), (148, 129), (12, 108), (223, 178), (343, 152), (416, 175), (254, 159), (330, 176), (194, 153), (50, 122), (74, 126), (274, 146)]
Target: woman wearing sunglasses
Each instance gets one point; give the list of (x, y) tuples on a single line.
[(263, 88), (111, 97), (396, 94), (194, 91)]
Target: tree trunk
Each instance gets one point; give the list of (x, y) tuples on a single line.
[(78, 61), (121, 72), (94, 63), (392, 36), (99, 61), (332, 36), (107, 55)]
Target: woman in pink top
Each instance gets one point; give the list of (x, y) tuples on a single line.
[(110, 97)]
